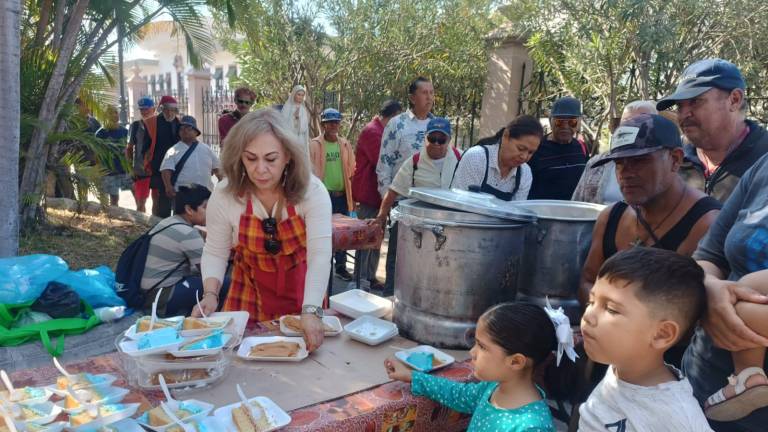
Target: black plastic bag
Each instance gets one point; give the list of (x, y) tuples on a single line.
[(58, 301)]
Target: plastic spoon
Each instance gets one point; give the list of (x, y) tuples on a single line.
[(7, 382), (154, 310), (172, 403), (197, 296), (250, 408), (8, 419), (62, 370), (172, 416)]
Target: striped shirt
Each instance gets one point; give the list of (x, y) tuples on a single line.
[(179, 243)]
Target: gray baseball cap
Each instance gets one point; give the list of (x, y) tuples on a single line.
[(640, 135)]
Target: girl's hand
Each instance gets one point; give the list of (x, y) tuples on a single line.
[(396, 370), (312, 327), (209, 303)]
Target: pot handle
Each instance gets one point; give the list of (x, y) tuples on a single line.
[(541, 233), (437, 230)]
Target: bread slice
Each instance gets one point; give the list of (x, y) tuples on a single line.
[(157, 417)]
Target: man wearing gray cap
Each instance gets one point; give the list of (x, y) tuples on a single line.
[(722, 143), (559, 162)]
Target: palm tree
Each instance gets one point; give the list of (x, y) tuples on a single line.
[(10, 48), (65, 43)]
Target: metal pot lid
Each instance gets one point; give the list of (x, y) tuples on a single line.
[(572, 211), (426, 210), (474, 202)]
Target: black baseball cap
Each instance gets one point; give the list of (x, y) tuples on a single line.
[(640, 135), (703, 76)]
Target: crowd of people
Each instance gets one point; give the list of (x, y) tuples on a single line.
[(674, 289)]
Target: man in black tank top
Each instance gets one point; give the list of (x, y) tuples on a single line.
[(659, 209)]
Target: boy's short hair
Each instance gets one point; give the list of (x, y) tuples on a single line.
[(193, 196), (665, 281)]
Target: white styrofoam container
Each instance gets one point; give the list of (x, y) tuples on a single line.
[(250, 342), (371, 330), (445, 359), (330, 321), (278, 418), (356, 303)]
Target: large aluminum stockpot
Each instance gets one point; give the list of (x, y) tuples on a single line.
[(452, 265), (556, 247)]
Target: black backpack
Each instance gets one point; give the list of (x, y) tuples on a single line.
[(130, 269)]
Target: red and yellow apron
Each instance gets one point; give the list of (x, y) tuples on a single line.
[(266, 285)]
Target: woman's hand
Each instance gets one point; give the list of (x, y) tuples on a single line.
[(721, 322), (312, 327), (209, 303), (380, 220), (396, 370)]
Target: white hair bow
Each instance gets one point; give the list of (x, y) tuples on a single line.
[(563, 332)]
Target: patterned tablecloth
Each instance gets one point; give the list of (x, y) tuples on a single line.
[(388, 408)]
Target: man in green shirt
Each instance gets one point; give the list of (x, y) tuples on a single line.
[(333, 162)]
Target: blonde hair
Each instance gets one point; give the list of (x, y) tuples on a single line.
[(265, 121)]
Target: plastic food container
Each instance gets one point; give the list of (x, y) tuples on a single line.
[(245, 348), (443, 358), (356, 303), (277, 417), (370, 330), (331, 321), (205, 407)]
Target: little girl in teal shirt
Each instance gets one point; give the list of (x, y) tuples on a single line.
[(510, 340)]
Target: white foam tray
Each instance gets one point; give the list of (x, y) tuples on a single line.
[(356, 303)]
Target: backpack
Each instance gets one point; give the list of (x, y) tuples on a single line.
[(130, 269), (417, 156)]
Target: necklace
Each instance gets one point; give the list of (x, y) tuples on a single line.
[(639, 220)]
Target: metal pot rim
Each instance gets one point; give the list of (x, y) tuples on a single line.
[(539, 207)]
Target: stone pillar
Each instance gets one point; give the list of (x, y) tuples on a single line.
[(509, 66), (198, 83), (137, 87)]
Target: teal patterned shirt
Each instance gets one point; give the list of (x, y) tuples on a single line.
[(474, 398)]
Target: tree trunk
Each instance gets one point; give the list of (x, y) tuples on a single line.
[(34, 167), (10, 114)]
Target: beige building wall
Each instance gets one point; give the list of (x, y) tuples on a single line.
[(509, 65)]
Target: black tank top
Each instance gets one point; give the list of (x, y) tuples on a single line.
[(672, 239)]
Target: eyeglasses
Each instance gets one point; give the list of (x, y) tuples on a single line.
[(563, 122), (244, 102), (271, 243), (437, 140)]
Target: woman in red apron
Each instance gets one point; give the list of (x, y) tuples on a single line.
[(277, 222)]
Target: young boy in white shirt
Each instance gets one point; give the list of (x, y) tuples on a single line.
[(643, 302)]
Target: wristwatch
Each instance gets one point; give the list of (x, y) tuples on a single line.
[(314, 310)]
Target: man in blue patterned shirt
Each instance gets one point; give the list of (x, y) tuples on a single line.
[(403, 136)]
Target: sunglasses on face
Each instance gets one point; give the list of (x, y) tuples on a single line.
[(244, 102), (271, 243), (439, 140), (563, 122)]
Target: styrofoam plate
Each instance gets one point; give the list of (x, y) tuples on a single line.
[(109, 395), (131, 332), (50, 410), (217, 322), (105, 382), (110, 420), (202, 352), (206, 409), (131, 348), (38, 400), (370, 330), (444, 358), (50, 427), (237, 325), (330, 321), (277, 417), (250, 342), (356, 303)]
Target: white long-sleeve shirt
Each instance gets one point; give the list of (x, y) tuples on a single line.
[(223, 221), (472, 166)]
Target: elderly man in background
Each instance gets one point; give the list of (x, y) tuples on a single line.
[(722, 143), (365, 186), (598, 184), (162, 134), (559, 162)]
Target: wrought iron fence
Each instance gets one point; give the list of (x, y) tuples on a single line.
[(215, 103)]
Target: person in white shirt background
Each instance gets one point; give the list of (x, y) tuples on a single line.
[(201, 163)]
